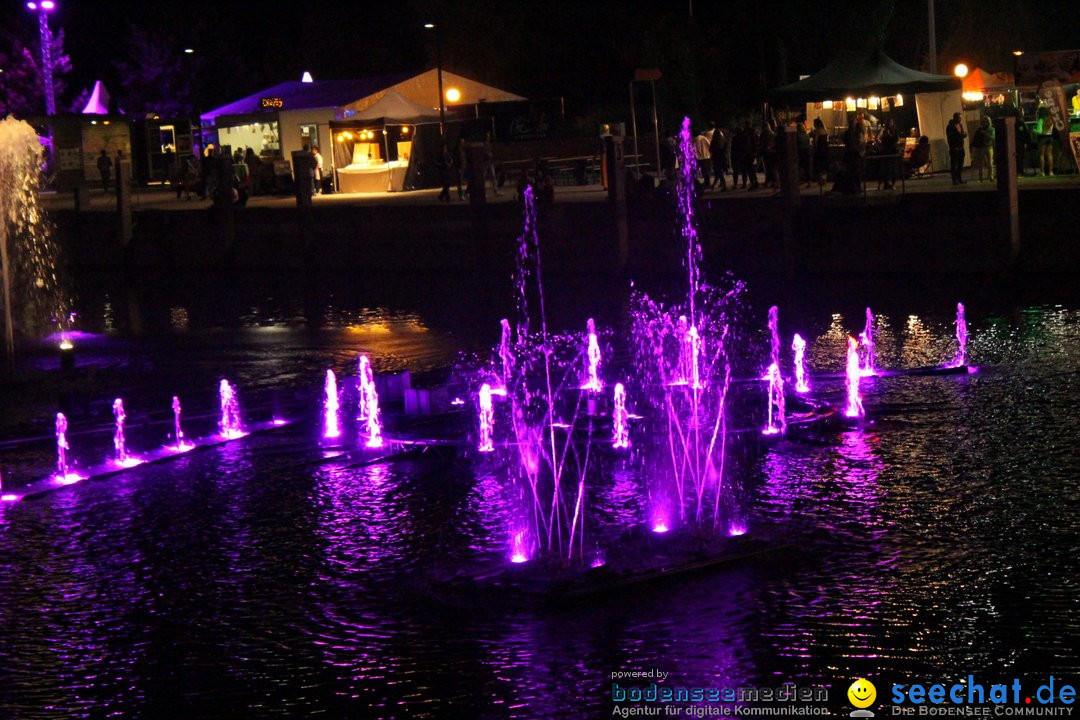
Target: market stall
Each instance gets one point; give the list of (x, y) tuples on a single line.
[(373, 148), (872, 81)]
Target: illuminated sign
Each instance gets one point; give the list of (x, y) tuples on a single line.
[(271, 103)]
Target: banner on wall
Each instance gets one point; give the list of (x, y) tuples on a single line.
[(1053, 97)]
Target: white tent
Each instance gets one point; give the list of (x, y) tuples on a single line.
[(393, 107), (935, 111)]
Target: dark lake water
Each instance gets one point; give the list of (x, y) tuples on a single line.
[(262, 579)]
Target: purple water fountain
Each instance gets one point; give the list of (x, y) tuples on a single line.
[(798, 345), (331, 420), (620, 432), (229, 425), (867, 366), (853, 375), (487, 420)]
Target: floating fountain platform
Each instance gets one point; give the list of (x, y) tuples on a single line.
[(109, 468), (643, 558)]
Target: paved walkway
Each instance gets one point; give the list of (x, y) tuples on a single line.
[(162, 198)]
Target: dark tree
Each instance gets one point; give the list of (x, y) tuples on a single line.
[(21, 91), (156, 76)]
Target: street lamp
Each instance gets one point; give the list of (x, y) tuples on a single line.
[(438, 63), (43, 9), (961, 70)]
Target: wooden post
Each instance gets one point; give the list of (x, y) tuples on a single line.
[(1008, 201), (613, 151), (123, 198)]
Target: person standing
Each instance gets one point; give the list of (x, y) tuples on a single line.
[(887, 143), (802, 146), (982, 150), (718, 150), (821, 151), (955, 134), (704, 159), (318, 170), (1044, 139), (104, 166)]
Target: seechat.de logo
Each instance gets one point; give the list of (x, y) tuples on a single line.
[(862, 694)]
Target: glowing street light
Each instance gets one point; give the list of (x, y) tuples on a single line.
[(961, 70), (453, 95), (43, 9), (189, 51)]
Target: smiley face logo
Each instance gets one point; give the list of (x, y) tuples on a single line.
[(862, 693)]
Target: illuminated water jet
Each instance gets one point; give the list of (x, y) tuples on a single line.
[(229, 425), (799, 346), (487, 420), (369, 403), (620, 431), (776, 423), (592, 358), (961, 337), (866, 341), (853, 374), (331, 424)]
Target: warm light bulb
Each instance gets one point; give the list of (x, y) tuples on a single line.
[(453, 95), (961, 70)]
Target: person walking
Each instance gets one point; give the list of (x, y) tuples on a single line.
[(704, 159), (445, 166), (955, 134), (104, 166), (318, 170)]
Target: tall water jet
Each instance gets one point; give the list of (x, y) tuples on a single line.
[(369, 403), (868, 367), (28, 267), (799, 346), (119, 442), (229, 424), (592, 361), (331, 424), (854, 374), (774, 339), (178, 432), (961, 337), (61, 446), (777, 422), (487, 420), (506, 354), (620, 431), (695, 357)]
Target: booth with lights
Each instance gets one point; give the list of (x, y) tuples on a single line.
[(874, 82), (374, 148)]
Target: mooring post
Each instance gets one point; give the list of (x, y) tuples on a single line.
[(616, 166), (787, 148), (1008, 199)]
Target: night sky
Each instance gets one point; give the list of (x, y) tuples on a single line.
[(718, 61)]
